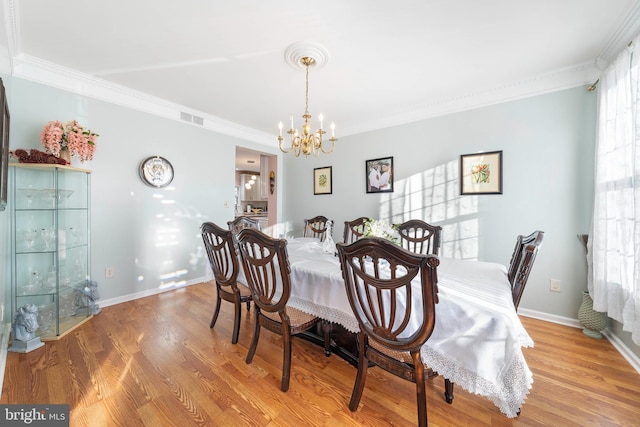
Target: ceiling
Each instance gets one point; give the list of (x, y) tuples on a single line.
[(388, 62)]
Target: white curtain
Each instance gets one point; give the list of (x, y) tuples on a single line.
[(614, 243)]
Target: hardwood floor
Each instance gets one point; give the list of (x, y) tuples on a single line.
[(155, 362)]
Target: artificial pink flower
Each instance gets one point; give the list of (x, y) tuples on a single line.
[(80, 142)]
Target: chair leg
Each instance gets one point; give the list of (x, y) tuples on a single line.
[(237, 316), (254, 341), (326, 332), (421, 395), (361, 376), (216, 310), (286, 362), (448, 390)]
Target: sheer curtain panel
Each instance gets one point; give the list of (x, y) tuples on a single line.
[(614, 244)]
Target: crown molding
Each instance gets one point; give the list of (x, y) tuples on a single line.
[(566, 78), (621, 38), (50, 74), (54, 75)]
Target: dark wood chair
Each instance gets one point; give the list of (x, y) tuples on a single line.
[(419, 237), (223, 257), (316, 227), (521, 262), (374, 291), (243, 222), (354, 230), (266, 267)]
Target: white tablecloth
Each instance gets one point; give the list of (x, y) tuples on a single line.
[(477, 340)]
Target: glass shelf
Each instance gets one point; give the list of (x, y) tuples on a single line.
[(50, 243)]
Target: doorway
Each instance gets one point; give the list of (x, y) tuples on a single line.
[(256, 186)]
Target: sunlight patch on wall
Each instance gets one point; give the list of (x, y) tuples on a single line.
[(434, 197)]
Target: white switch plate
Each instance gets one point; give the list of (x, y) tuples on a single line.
[(108, 272), (554, 285)]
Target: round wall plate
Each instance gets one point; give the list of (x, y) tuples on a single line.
[(156, 171)]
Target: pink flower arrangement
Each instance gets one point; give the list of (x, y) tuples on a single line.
[(57, 136)]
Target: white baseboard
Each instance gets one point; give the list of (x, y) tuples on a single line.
[(147, 293), (617, 343)]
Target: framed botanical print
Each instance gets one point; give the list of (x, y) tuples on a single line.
[(322, 180), (481, 173), (379, 175)]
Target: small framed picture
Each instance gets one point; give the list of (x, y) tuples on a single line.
[(322, 180), (379, 175), (481, 173)]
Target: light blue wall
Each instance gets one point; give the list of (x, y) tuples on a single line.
[(150, 237), (548, 145)]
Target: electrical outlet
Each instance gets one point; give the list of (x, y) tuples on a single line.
[(108, 272), (554, 285), (226, 203)]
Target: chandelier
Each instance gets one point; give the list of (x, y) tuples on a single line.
[(307, 142)]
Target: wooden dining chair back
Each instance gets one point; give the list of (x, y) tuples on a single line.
[(266, 268), (225, 265), (354, 230), (393, 293), (316, 227), (242, 222), (524, 254), (419, 237)]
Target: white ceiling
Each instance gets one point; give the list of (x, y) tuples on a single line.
[(389, 62)]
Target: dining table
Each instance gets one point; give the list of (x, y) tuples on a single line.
[(478, 337)]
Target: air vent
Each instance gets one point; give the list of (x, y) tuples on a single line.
[(191, 118)]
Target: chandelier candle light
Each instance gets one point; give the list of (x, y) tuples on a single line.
[(306, 142)]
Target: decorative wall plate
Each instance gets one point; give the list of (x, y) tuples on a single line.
[(156, 171)]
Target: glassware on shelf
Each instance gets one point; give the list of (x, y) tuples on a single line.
[(50, 195), (50, 282), (46, 316), (33, 283), (29, 238), (74, 236), (30, 194), (68, 305), (64, 195), (47, 235)]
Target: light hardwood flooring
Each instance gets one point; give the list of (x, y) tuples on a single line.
[(155, 362)]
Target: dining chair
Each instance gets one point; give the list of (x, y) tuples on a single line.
[(419, 237), (353, 230), (316, 227), (223, 258), (243, 222), (266, 266), (524, 254), (378, 277)]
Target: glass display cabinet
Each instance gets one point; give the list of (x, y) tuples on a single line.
[(50, 244)]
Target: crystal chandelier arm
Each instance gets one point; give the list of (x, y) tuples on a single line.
[(333, 140), (282, 148)]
